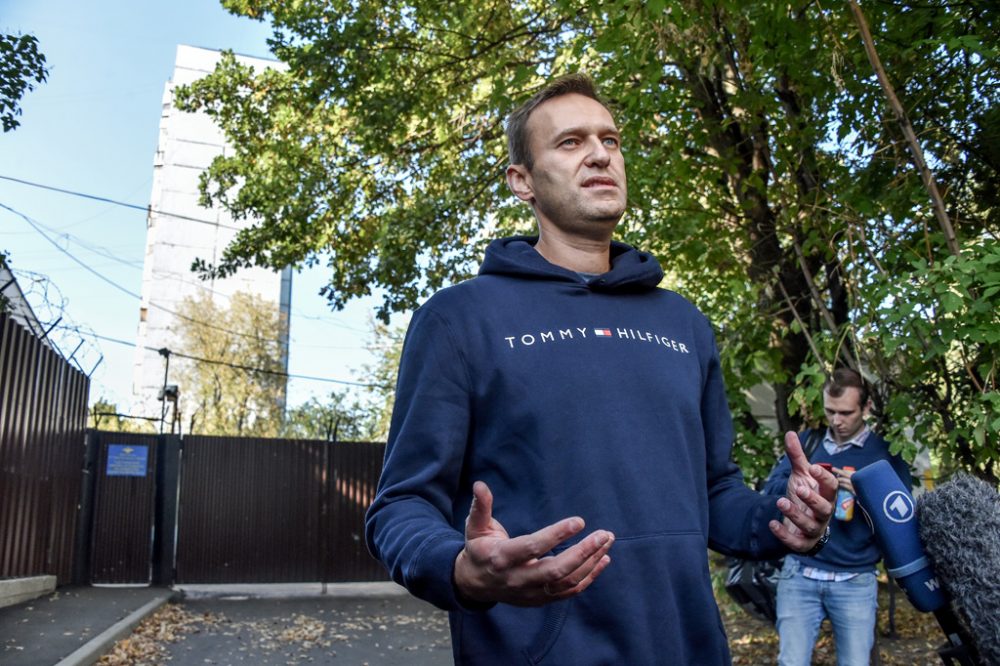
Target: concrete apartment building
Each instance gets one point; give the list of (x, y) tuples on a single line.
[(179, 230)]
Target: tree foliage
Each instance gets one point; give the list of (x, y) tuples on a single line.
[(358, 416), (104, 415), (339, 418), (386, 346), (765, 170), (231, 376), (22, 67)]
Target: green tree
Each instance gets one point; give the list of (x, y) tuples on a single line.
[(338, 418), (231, 377), (22, 67), (104, 415), (765, 168), (386, 345)]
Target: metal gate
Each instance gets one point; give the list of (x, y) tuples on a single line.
[(242, 510), (123, 507)]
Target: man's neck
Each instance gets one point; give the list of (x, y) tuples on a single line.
[(582, 255), (857, 434)]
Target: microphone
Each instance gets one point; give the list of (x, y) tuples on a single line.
[(960, 529), (891, 513)]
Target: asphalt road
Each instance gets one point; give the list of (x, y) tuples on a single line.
[(323, 630)]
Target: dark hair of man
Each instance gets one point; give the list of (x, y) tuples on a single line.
[(517, 121), (843, 379)]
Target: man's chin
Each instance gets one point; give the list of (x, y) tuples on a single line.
[(610, 213)]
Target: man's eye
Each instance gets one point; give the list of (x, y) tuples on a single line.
[(611, 142), (569, 142)]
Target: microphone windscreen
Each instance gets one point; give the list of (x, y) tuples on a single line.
[(960, 530), (891, 511)]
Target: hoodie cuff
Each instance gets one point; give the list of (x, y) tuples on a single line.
[(763, 542), (432, 577)]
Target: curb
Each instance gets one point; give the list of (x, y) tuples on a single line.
[(239, 592), (96, 647), (17, 590)]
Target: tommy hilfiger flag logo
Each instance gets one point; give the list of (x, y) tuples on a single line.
[(602, 332)]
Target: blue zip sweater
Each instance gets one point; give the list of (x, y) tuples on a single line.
[(852, 543), (599, 397)]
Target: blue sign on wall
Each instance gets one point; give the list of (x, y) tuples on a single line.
[(127, 460)]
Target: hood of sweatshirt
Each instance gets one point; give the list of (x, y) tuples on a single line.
[(631, 269)]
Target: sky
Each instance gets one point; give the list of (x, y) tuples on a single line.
[(92, 128)]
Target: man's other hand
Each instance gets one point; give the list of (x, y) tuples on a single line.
[(808, 503)]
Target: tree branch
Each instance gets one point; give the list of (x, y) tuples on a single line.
[(918, 155)]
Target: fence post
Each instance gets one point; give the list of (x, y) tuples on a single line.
[(168, 454), (85, 515)]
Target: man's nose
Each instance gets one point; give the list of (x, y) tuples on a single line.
[(598, 154)]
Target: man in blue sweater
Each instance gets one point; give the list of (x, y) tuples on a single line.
[(562, 388), (839, 582)]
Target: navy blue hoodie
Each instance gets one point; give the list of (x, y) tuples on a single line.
[(600, 397)]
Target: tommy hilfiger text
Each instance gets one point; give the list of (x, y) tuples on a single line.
[(577, 333)]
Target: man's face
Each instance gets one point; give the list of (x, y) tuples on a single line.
[(577, 183), (846, 415)]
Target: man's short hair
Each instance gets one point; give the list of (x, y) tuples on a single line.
[(843, 379), (517, 122)]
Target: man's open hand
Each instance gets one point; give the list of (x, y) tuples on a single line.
[(809, 501), (496, 568)]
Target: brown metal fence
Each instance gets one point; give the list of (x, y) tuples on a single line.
[(353, 469), (249, 510), (274, 510), (43, 412)]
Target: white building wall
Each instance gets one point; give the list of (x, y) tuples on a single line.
[(188, 142)]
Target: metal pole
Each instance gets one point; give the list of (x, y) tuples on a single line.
[(165, 353)]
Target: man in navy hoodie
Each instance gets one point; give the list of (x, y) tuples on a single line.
[(838, 583), (562, 388)]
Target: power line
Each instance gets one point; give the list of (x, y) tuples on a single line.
[(36, 226), (117, 286), (96, 249), (173, 275), (123, 204), (235, 366), (136, 207), (125, 416)]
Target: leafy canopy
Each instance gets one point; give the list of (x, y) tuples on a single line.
[(231, 376), (765, 170), (22, 67)]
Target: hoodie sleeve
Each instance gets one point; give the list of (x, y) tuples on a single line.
[(410, 526), (737, 515)]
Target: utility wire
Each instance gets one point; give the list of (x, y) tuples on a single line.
[(235, 366), (136, 207), (123, 204), (117, 286), (96, 249), (126, 416)]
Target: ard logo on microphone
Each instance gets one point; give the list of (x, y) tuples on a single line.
[(898, 507)]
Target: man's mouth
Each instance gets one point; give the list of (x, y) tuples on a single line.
[(599, 181)]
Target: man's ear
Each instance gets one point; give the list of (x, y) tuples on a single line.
[(519, 182)]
